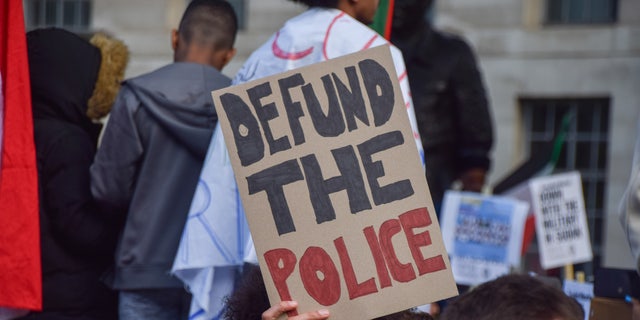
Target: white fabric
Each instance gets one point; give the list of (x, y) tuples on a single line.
[(216, 216), (216, 240), (630, 205), (317, 35)]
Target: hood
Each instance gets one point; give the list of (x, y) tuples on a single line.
[(178, 97), (115, 57), (63, 69)]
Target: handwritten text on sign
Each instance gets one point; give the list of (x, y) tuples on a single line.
[(333, 187), (561, 221)]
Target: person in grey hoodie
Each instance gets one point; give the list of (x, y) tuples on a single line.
[(147, 167)]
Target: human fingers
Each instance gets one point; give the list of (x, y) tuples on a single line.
[(313, 315), (282, 307)]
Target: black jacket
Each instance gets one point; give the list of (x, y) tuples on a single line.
[(77, 242), (148, 165), (451, 106)]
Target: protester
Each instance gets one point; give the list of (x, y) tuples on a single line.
[(151, 155), (250, 301), (328, 29), (73, 83), (449, 98), (514, 296)]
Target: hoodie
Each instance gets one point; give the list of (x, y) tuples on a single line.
[(77, 240), (147, 167)]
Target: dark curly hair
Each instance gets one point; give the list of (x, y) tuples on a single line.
[(319, 3), (250, 300)]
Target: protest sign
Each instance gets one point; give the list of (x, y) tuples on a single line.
[(560, 217), (483, 235), (561, 220), (582, 292), (333, 188)]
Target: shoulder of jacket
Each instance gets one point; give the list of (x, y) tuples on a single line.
[(452, 40)]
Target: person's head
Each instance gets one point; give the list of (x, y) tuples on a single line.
[(361, 10), (206, 34), (514, 296), (409, 15), (72, 78)]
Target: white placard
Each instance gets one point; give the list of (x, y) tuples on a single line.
[(482, 234), (561, 220)]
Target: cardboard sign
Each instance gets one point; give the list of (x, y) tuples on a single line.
[(483, 235), (561, 220), (333, 188)]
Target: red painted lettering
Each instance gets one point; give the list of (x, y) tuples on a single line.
[(281, 263), (418, 218), (354, 288), (399, 271), (378, 258), (325, 290)]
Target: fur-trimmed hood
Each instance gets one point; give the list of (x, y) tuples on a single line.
[(115, 57), (72, 79)]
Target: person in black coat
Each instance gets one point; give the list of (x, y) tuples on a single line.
[(450, 102), (73, 83)]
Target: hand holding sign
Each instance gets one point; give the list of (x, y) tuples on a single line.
[(333, 188), (290, 306)]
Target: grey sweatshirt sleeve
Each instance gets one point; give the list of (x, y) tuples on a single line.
[(114, 169)]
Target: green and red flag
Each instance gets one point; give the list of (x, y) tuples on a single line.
[(382, 20)]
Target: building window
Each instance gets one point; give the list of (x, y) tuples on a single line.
[(581, 11), (73, 15), (584, 149)]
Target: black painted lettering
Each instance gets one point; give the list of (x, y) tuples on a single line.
[(374, 169), (245, 128), (352, 100), (379, 87), (350, 180), (294, 109), (272, 180), (330, 124), (265, 113)]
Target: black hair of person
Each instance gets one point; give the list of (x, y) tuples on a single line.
[(209, 23), (319, 3), (250, 300)]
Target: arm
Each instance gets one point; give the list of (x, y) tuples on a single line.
[(114, 169), (474, 119), (72, 215), (288, 306)]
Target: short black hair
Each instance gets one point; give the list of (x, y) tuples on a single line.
[(209, 22), (319, 3), (514, 296)]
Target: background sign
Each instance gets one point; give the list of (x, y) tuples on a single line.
[(483, 235), (561, 220), (333, 188)]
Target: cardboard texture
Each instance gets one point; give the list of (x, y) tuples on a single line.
[(609, 309), (333, 188)]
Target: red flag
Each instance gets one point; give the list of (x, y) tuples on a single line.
[(20, 275)]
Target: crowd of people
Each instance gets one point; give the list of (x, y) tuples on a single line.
[(112, 214)]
